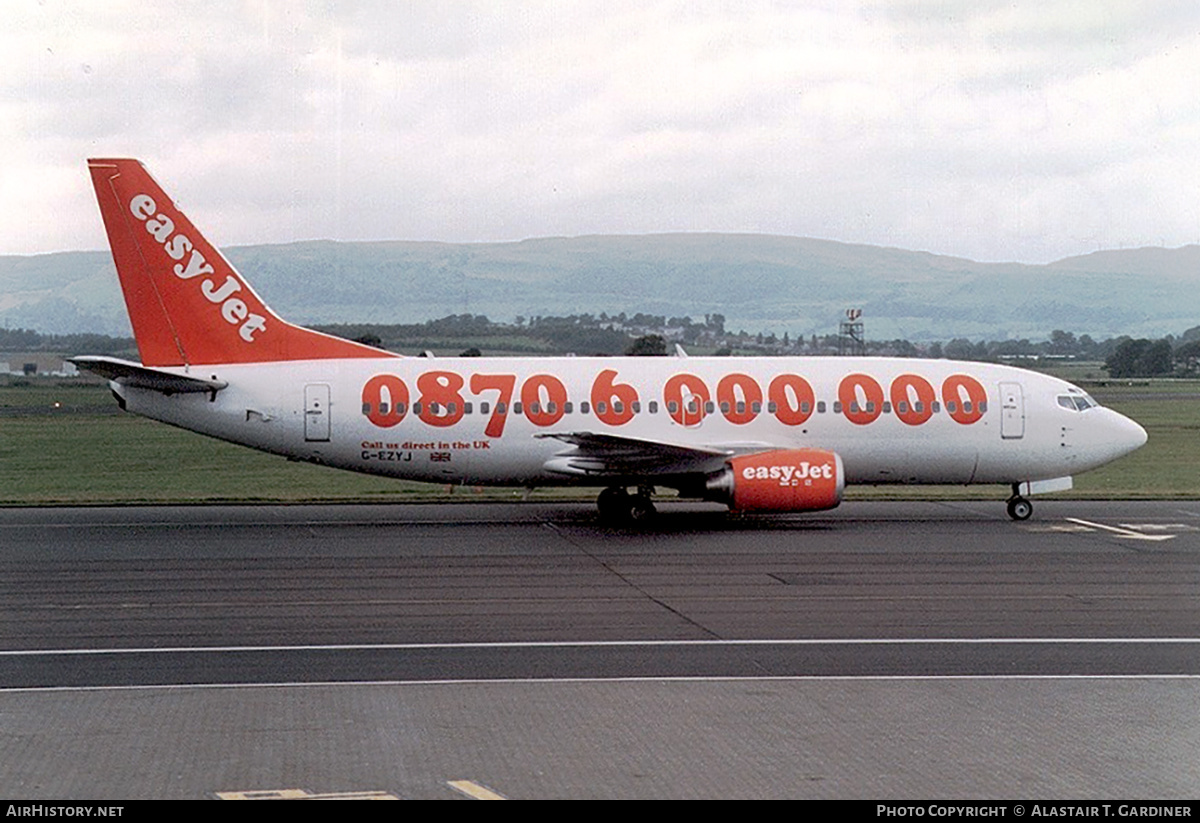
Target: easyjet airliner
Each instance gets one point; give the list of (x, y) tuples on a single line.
[(758, 434)]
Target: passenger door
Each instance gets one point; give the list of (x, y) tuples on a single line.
[(1012, 411)]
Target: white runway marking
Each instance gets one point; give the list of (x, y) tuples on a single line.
[(552, 644), (1160, 527), (1132, 535), (529, 681)]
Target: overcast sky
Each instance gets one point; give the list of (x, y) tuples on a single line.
[(1024, 131)]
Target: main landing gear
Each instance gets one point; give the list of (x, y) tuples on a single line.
[(617, 505), (1018, 507)]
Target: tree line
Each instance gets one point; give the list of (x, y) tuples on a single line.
[(645, 334)]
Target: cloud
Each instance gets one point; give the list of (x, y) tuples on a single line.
[(992, 130)]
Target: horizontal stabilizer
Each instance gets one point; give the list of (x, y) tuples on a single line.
[(128, 373)]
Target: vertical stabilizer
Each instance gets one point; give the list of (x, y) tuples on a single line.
[(187, 304)]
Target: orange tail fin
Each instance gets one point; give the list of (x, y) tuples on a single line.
[(187, 304)]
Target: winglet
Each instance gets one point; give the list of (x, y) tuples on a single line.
[(187, 304)]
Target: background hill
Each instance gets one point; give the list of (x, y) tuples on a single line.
[(759, 282)]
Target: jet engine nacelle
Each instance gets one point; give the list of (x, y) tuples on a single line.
[(791, 480)]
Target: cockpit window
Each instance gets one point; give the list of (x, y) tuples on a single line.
[(1076, 401)]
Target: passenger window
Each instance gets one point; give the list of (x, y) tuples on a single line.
[(500, 409), (517, 407), (416, 407), (653, 407), (467, 407), (951, 406), (756, 407), (709, 407), (568, 407), (772, 407), (367, 408), (837, 406), (724, 407), (601, 407), (887, 406), (636, 406), (584, 407), (483, 407), (821, 406), (673, 407)]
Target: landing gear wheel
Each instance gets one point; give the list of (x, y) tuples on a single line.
[(1019, 508), (614, 504), (641, 510)]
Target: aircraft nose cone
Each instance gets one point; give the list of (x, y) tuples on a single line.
[(1104, 437), (1139, 436), (1128, 435)]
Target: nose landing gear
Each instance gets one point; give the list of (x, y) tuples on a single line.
[(1018, 507)]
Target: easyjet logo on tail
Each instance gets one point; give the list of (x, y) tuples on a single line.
[(179, 246)]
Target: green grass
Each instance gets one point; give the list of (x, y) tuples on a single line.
[(1168, 466), (46, 396), (84, 452)]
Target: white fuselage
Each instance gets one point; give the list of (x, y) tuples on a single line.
[(890, 420)]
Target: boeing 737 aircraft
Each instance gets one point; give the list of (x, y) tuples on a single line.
[(757, 434)]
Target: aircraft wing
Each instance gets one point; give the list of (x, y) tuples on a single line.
[(128, 373), (607, 455)]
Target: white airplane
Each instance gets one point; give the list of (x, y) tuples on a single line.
[(756, 433)]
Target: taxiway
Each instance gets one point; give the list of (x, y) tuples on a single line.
[(880, 650)]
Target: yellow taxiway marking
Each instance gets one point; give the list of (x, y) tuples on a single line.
[(472, 789), (302, 794)]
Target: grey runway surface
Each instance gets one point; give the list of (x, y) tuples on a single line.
[(880, 650)]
